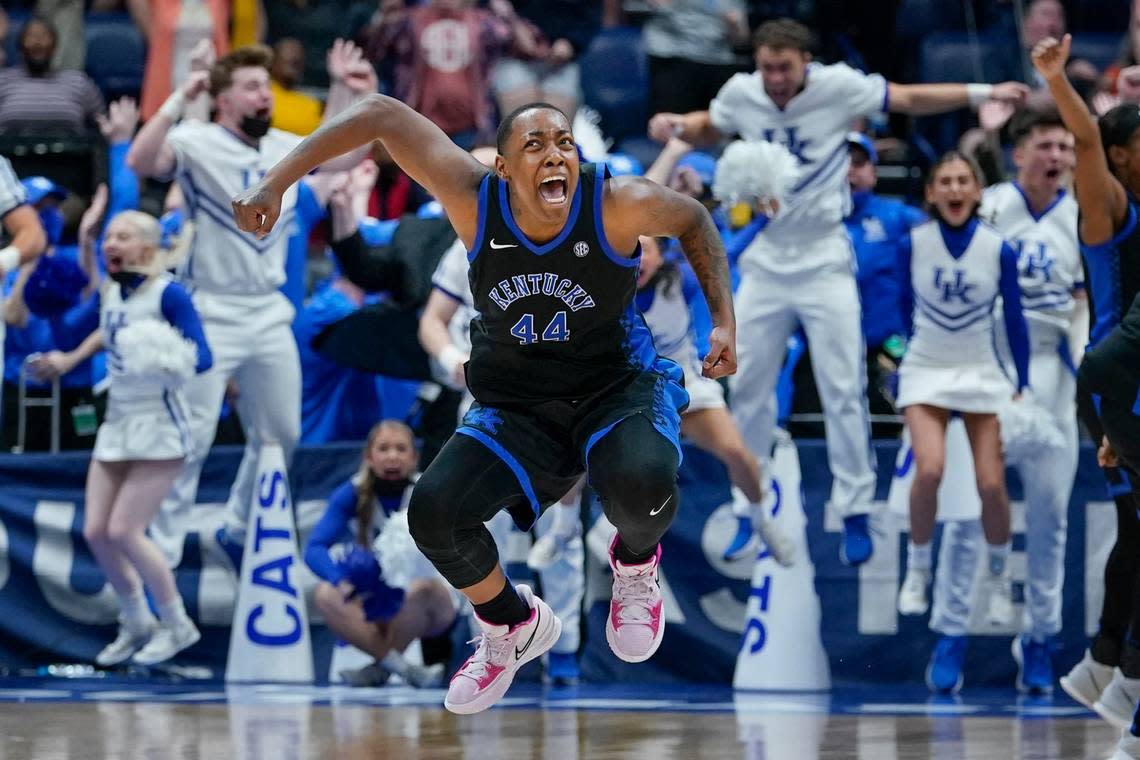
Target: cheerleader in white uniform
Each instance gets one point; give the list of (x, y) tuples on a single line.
[(144, 439), (663, 298), (952, 269), (379, 603)]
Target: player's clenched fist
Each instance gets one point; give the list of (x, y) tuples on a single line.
[(721, 358), (256, 209)]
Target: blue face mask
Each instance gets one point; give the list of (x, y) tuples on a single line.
[(52, 220)]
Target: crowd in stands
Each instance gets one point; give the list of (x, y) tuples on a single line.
[(462, 64)]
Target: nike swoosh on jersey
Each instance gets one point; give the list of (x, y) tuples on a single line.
[(653, 512), (499, 246), (537, 619)]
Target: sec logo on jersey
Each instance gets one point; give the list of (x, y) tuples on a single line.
[(581, 248)]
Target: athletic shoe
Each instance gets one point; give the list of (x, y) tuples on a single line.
[(499, 652), (1118, 701), (999, 608), (562, 669), (423, 676), (1087, 680), (743, 545), (124, 646), (1128, 748), (167, 642), (1034, 665), (634, 627), (856, 547), (371, 675), (912, 595), (944, 672), (232, 548)]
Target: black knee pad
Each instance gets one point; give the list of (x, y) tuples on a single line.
[(428, 520), (633, 469)]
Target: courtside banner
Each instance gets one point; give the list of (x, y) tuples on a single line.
[(55, 605)]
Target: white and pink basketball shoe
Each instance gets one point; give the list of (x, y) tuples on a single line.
[(500, 651), (635, 626)]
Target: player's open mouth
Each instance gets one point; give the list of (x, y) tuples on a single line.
[(114, 263), (956, 207), (553, 190), (1052, 173)]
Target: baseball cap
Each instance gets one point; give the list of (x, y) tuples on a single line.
[(39, 188), (863, 142)]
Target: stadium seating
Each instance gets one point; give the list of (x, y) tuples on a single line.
[(116, 54), (615, 81)]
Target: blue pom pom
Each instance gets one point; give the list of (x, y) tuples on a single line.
[(54, 286), (383, 603)]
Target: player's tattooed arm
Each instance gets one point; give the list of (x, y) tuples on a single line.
[(636, 207), (417, 145)]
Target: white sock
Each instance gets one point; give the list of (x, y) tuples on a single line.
[(135, 613), (566, 523), (395, 662), (998, 556), (918, 556), (173, 614)]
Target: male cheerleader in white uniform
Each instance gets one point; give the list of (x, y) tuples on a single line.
[(233, 276), (142, 443), (798, 270)]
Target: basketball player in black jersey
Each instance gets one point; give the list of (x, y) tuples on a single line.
[(1107, 180), (562, 368)]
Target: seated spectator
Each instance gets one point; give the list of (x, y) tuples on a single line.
[(367, 606), (691, 51), (435, 73), (173, 30), (316, 24), (1120, 82), (35, 96), (294, 111), (567, 26), (49, 308)]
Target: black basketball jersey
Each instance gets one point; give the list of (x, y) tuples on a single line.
[(556, 321), (1113, 271)]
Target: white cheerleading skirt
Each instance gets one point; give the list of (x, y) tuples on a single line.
[(980, 388), (704, 393), (143, 435)]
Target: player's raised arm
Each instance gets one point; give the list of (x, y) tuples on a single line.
[(417, 146), (637, 206), (1100, 195)]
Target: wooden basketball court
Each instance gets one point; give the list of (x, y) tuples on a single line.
[(58, 718)]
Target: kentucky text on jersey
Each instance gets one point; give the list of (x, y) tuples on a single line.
[(540, 283)]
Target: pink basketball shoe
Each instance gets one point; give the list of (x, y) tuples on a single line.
[(501, 651), (634, 627)]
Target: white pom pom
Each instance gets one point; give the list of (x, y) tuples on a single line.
[(753, 170), (154, 351), (396, 550), (1027, 431), (595, 146)]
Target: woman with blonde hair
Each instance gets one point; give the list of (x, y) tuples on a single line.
[(154, 341), (377, 592)]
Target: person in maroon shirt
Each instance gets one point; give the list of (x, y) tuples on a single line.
[(442, 54)]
